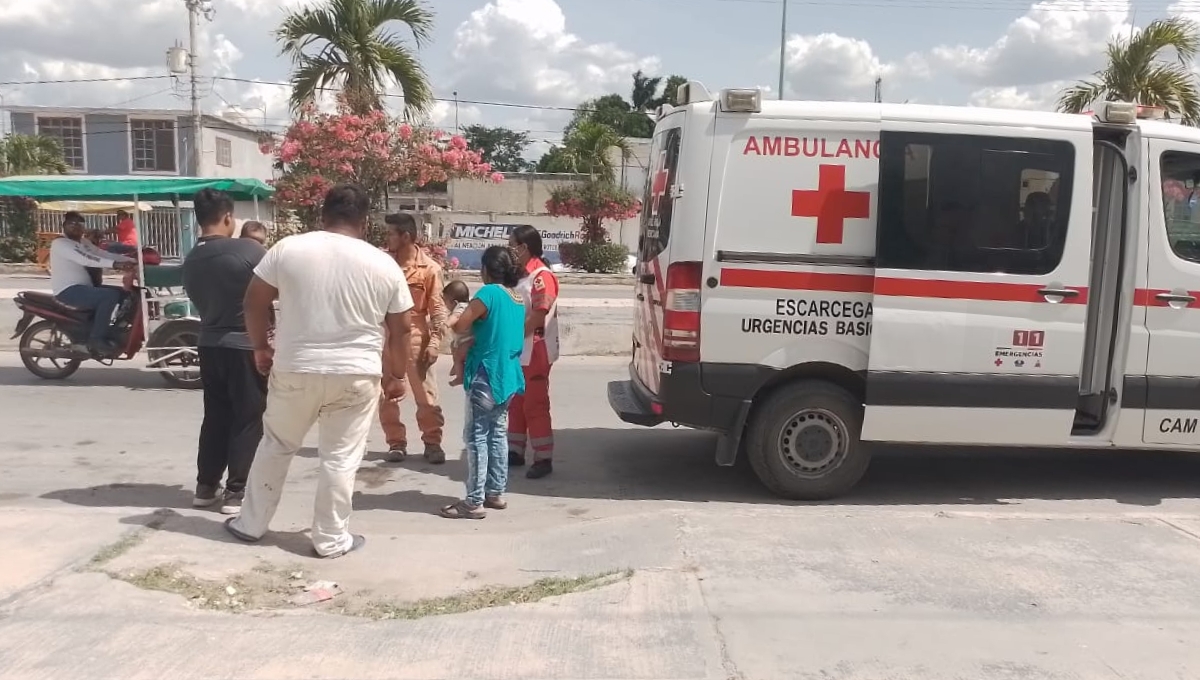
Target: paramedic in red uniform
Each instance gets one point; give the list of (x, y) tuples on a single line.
[(529, 425)]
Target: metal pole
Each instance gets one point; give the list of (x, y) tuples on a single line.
[(197, 130), (782, 47), (456, 112)]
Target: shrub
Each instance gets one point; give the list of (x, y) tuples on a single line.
[(18, 249), (594, 258)]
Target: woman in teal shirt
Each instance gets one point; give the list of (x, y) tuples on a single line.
[(491, 376)]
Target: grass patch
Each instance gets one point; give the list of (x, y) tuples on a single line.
[(484, 598), (129, 541), (264, 587)]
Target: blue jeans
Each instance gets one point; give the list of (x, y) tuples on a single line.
[(486, 437), (101, 301)]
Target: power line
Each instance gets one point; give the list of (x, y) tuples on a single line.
[(73, 81)]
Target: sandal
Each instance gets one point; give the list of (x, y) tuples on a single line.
[(461, 510), (495, 503)]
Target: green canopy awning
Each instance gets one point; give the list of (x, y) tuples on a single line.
[(98, 188)]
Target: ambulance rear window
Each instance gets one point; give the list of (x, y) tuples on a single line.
[(973, 203), (657, 203)]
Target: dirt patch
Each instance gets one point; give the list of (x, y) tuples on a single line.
[(482, 598), (128, 542), (374, 477), (264, 587)]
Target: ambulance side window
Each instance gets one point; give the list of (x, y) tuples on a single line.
[(1181, 203), (972, 203), (657, 204)]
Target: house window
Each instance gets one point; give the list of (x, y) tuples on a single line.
[(69, 133), (224, 152), (153, 145)]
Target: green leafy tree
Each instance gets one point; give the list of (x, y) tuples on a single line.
[(644, 96), (348, 44), (671, 90), (1138, 72), (554, 160), (613, 111), (500, 146), (31, 155)]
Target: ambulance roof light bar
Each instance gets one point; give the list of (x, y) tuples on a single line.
[(1117, 113), (744, 100)]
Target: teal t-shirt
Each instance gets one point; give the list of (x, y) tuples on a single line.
[(499, 339)]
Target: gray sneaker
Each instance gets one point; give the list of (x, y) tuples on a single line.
[(206, 496), (232, 504)]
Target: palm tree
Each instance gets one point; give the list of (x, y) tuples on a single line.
[(644, 95), (353, 49), (587, 150), (31, 155), (1136, 73)]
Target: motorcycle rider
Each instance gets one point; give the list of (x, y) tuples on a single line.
[(70, 258)]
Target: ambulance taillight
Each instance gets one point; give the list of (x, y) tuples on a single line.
[(681, 312)]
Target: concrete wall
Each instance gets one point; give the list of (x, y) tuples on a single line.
[(518, 193), (248, 159)]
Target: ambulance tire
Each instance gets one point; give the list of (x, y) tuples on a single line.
[(833, 414)]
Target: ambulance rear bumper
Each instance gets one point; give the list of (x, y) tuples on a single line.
[(683, 398)]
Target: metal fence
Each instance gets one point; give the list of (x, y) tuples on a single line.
[(160, 227)]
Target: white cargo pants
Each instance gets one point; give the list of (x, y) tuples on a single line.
[(344, 408)]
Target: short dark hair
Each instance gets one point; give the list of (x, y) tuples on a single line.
[(529, 237), (501, 267), (403, 223), (211, 206), (346, 204), (253, 228), (73, 216), (457, 290)]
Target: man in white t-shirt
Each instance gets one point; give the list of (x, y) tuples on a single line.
[(336, 294)]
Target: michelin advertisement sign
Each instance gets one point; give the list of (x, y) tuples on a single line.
[(468, 241)]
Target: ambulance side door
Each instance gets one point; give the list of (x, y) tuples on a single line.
[(1172, 298), (981, 284)]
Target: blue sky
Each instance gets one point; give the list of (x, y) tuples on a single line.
[(555, 53)]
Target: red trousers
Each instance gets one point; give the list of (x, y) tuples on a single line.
[(529, 414)]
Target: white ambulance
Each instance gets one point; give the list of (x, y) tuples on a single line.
[(816, 276)]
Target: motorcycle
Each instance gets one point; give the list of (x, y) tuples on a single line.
[(59, 337)]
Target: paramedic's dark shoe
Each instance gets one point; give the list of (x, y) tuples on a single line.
[(232, 504), (206, 496), (516, 459), (397, 454), (434, 454), (539, 469)]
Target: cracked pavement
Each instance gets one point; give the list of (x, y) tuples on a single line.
[(943, 564)]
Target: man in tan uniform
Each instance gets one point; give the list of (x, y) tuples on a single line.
[(428, 326)]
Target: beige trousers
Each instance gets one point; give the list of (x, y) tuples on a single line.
[(343, 406)]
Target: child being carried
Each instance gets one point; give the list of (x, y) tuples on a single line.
[(456, 295)]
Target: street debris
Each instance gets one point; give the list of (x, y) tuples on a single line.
[(321, 591)]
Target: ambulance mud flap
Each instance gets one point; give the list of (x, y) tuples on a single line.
[(730, 442)]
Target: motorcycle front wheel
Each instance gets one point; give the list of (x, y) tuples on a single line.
[(45, 338)]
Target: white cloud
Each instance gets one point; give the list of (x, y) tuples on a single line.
[(1054, 40), (1041, 97), (831, 66)]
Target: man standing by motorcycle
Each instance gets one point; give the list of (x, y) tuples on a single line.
[(70, 258), (424, 277), (216, 274)]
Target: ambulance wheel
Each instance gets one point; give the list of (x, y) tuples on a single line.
[(803, 441)]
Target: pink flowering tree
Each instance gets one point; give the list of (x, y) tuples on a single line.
[(372, 149), (592, 202)]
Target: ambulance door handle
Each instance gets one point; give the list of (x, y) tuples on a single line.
[(647, 279), (1057, 293), (1175, 300), (641, 298)]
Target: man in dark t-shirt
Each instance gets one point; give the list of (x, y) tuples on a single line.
[(216, 274)]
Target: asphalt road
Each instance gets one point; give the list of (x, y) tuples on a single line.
[(942, 564)]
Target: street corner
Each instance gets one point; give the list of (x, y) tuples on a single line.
[(45, 542)]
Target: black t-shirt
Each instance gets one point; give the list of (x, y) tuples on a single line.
[(216, 274)]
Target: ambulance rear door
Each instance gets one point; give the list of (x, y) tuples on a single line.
[(654, 242), (981, 285)]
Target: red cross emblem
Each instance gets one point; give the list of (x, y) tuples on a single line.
[(659, 187), (831, 204)]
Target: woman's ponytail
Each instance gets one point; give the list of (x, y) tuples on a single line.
[(501, 266)]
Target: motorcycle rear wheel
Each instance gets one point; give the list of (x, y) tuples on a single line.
[(41, 336)]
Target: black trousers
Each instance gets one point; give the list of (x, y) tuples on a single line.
[(235, 396)]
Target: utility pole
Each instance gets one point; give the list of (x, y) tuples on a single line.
[(195, 9), (456, 112), (878, 89), (782, 47)]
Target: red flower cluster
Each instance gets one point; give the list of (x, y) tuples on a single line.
[(593, 202), (374, 150)]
